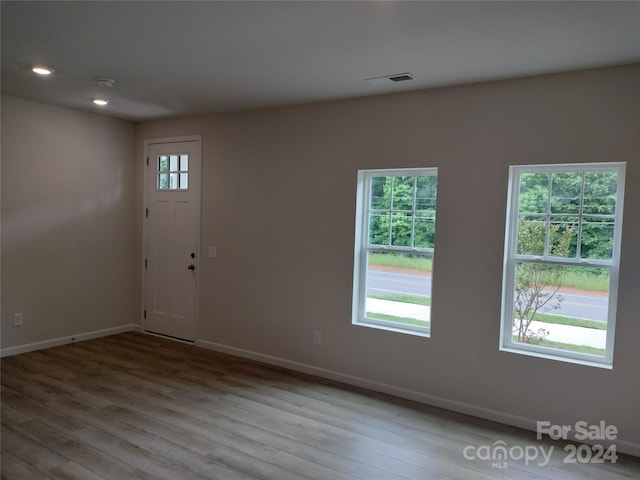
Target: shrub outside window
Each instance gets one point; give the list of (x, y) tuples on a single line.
[(562, 251), (394, 247)]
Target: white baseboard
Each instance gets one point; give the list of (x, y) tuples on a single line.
[(55, 342), (441, 402), (629, 448)]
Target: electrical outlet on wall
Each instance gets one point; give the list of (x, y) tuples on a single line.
[(317, 337), (17, 320)]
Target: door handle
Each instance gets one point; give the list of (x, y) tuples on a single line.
[(191, 267)]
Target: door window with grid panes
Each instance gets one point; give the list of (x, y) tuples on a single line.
[(173, 172)]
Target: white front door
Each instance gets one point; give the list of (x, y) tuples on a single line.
[(172, 207)]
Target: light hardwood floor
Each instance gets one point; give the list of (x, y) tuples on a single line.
[(135, 406)]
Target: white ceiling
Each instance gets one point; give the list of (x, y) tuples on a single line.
[(178, 58)]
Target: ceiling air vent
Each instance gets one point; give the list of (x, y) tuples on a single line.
[(403, 77), (390, 79)]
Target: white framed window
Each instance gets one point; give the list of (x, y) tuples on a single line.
[(394, 248), (561, 261), (172, 172)]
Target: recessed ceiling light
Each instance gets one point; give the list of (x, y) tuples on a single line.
[(42, 70), (101, 102)]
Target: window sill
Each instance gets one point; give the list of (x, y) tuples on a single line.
[(560, 358), (417, 332)]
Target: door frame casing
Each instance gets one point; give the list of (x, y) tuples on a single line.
[(147, 144)]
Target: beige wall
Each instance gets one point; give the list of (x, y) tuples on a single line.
[(68, 242), (279, 202)]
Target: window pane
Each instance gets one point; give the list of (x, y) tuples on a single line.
[(380, 193), (399, 288), (565, 192), (600, 189), (531, 235), (163, 163), (426, 190), (173, 181), (401, 229), (173, 163), (379, 229), (563, 236), (163, 181), (403, 193), (536, 286), (184, 181), (184, 163), (561, 307), (534, 193), (597, 239), (424, 231)]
